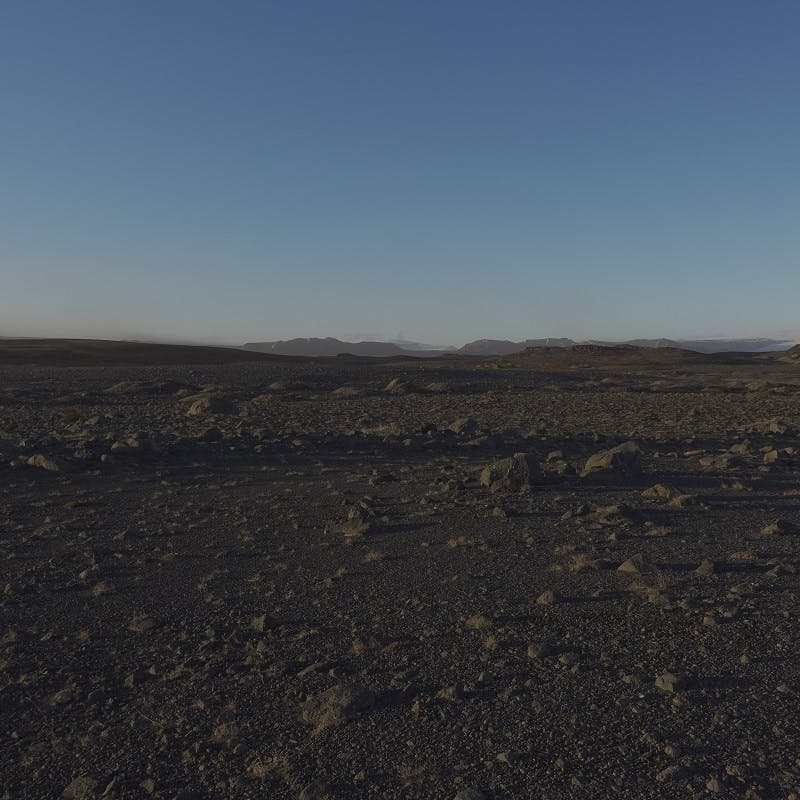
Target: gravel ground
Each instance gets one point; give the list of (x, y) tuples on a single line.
[(297, 579)]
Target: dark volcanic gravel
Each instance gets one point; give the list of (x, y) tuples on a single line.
[(288, 580)]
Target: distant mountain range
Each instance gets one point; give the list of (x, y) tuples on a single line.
[(498, 347), (335, 347)]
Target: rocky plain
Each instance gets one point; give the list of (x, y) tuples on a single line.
[(568, 573)]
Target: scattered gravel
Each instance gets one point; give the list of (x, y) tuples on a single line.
[(456, 578)]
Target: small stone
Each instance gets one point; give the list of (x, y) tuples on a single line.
[(548, 598), (633, 564), (398, 386), (452, 693), (337, 705), (683, 501), (540, 651), (470, 793), (464, 426), (140, 622), (780, 527), (624, 458), (63, 696), (669, 682), (677, 772), (725, 461), (259, 623), (771, 456), (80, 788), (136, 678), (43, 462), (211, 404), (707, 567), (478, 622), (212, 434), (659, 490)]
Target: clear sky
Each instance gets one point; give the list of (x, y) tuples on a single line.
[(232, 171)]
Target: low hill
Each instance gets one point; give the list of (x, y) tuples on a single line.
[(634, 357), (793, 354), (76, 352), (601, 356)]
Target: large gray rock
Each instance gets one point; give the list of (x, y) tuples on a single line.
[(624, 459), (512, 474)]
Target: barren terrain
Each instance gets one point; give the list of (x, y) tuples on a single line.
[(567, 574)]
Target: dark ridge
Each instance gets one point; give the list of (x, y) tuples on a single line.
[(73, 352), (624, 355)]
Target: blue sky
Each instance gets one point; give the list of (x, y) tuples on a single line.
[(452, 170)]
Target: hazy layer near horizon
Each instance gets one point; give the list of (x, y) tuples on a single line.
[(256, 172)]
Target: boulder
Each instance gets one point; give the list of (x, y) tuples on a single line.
[(624, 459), (43, 462), (512, 474)]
